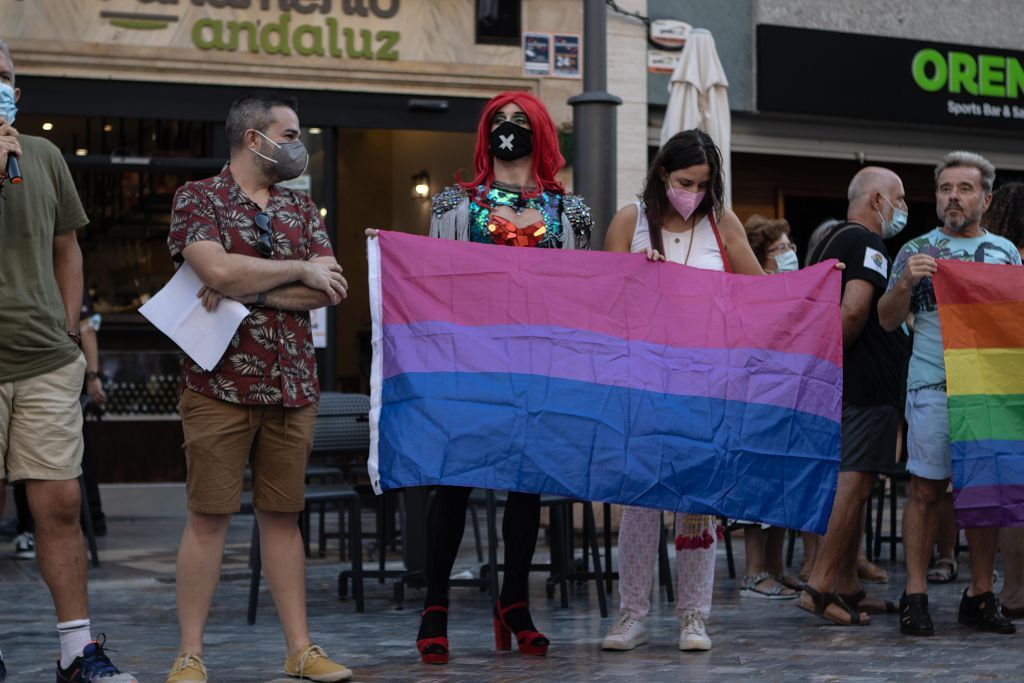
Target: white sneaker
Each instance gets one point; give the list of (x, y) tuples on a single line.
[(692, 634), (25, 546), (625, 634)]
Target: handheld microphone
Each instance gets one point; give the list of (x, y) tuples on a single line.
[(13, 170)]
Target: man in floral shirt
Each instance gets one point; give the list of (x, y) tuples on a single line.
[(963, 190), (250, 239)]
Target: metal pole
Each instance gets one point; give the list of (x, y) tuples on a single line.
[(594, 124)]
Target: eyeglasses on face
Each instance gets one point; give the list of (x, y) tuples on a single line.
[(782, 248), (265, 240)]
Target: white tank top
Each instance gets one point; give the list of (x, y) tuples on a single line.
[(703, 254)]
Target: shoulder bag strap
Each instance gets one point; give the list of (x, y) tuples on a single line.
[(834, 232), (718, 238)]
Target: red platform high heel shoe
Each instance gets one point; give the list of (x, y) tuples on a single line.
[(433, 648), (530, 641)]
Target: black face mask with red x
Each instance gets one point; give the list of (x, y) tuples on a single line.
[(510, 141)]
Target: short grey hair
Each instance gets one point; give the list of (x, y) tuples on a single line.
[(972, 159), (7, 53)]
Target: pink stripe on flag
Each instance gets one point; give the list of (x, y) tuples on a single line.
[(620, 295)]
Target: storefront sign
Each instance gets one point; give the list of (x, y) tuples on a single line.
[(669, 33), (280, 27), (841, 74), (662, 61)]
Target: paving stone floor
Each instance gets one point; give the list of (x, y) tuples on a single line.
[(132, 599)]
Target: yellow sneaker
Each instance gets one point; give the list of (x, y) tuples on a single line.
[(313, 664), (188, 668)]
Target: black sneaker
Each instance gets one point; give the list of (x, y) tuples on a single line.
[(982, 612), (914, 617), (93, 667)]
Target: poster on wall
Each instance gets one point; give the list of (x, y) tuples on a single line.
[(536, 54), (567, 55)]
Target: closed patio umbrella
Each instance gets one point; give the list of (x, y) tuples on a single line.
[(698, 98)]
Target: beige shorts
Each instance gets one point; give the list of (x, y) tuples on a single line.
[(221, 437), (41, 425)]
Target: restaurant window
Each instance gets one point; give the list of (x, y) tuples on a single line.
[(126, 171), (498, 22)]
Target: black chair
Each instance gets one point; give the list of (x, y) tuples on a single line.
[(564, 566), (342, 428), (897, 480), (90, 533), (340, 496)]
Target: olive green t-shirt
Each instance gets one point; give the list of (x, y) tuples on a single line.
[(33, 321)]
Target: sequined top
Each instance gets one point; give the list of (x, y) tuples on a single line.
[(552, 206), (548, 204)]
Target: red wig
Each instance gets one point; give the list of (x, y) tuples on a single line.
[(547, 159)]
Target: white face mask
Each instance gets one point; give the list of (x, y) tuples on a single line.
[(787, 262)]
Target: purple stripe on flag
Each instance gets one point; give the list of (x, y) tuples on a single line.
[(787, 380), (621, 296), (989, 506)]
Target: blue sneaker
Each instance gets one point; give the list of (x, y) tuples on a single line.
[(93, 667)]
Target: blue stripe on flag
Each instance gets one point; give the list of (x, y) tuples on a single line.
[(988, 463), (686, 453)]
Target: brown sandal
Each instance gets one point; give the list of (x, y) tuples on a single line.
[(821, 603), (870, 572)]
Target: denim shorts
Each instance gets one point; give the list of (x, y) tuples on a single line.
[(928, 453)]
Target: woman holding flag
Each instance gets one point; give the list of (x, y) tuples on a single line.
[(513, 199), (680, 218)]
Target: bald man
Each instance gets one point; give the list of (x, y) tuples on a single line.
[(873, 361)]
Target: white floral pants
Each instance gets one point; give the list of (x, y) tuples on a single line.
[(639, 535)]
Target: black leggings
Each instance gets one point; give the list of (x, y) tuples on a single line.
[(446, 523)]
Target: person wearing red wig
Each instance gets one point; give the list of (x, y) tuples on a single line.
[(513, 199)]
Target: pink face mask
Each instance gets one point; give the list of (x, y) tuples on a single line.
[(685, 203)]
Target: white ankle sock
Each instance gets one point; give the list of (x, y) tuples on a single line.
[(74, 636)]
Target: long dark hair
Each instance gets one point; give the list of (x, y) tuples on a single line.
[(682, 150)]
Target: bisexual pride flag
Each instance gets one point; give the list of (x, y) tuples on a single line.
[(981, 311), (605, 377)]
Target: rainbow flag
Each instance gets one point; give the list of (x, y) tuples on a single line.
[(981, 311), (604, 377)]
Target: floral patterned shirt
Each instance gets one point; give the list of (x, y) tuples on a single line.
[(270, 360)]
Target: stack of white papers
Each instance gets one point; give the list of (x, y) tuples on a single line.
[(177, 312)]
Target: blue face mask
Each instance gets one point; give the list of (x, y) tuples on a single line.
[(8, 110), (895, 225), (787, 262)]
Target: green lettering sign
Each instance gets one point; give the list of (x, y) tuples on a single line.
[(1014, 78), (933, 60), (280, 38), (990, 75), (963, 73)]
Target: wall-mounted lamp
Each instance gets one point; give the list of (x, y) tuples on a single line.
[(421, 185)]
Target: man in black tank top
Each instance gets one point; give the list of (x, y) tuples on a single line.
[(873, 373)]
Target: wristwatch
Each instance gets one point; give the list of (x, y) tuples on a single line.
[(90, 376)]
